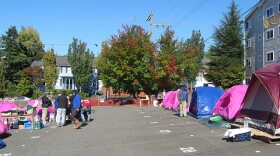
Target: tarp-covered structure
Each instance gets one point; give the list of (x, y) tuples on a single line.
[(203, 101), (230, 102), (261, 103)]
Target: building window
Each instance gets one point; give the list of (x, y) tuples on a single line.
[(259, 37), (247, 81), (248, 61), (259, 57), (270, 34), (269, 12), (248, 43), (259, 16), (279, 30), (248, 24), (61, 69), (270, 56), (66, 69)]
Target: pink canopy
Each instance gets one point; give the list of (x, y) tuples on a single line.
[(230, 102), (6, 106), (170, 100), (39, 107)]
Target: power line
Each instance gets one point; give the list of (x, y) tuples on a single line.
[(191, 12)]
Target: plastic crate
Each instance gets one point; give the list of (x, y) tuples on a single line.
[(27, 125), (242, 137)]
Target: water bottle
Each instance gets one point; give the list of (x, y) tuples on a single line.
[(246, 122)]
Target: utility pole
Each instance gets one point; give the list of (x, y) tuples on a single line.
[(150, 18)]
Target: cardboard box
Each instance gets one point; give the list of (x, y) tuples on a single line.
[(20, 126)]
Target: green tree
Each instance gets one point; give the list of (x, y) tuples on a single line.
[(127, 62), (24, 87), (30, 43), (169, 78), (11, 55), (19, 50), (226, 55), (50, 70), (34, 75), (189, 56), (81, 60)]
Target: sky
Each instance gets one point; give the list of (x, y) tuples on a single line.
[(94, 21)]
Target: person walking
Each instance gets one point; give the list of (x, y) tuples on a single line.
[(61, 110), (183, 100), (75, 110), (46, 102)]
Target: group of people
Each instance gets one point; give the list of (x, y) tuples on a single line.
[(62, 102)]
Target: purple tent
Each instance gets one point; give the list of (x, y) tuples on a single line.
[(230, 102), (170, 100)]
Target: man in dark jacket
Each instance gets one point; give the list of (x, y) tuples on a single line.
[(46, 102), (75, 109), (61, 111)]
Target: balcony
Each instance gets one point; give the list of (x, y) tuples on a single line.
[(271, 21)]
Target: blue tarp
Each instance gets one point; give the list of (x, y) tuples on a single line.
[(203, 101)]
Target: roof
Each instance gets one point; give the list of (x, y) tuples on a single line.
[(254, 8), (60, 61)]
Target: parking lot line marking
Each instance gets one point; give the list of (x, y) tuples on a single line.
[(147, 116), (35, 137), (153, 122), (258, 151), (164, 131), (6, 154), (188, 150)]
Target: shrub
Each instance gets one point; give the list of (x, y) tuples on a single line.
[(84, 95), (37, 94)]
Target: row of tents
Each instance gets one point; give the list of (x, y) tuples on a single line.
[(259, 101)]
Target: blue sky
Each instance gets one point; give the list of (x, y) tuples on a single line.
[(94, 21)]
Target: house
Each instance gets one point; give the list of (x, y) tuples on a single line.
[(262, 36), (65, 80)]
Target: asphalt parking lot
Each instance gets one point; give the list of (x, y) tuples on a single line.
[(132, 131)]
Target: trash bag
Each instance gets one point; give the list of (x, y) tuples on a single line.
[(2, 144)]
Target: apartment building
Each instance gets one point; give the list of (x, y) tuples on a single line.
[(262, 36)]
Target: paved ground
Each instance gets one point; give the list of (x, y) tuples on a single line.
[(132, 131)]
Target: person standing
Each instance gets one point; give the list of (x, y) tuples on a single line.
[(46, 102), (61, 111), (183, 100), (75, 110)]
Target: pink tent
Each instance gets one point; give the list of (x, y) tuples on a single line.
[(170, 100), (230, 102), (3, 129)]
